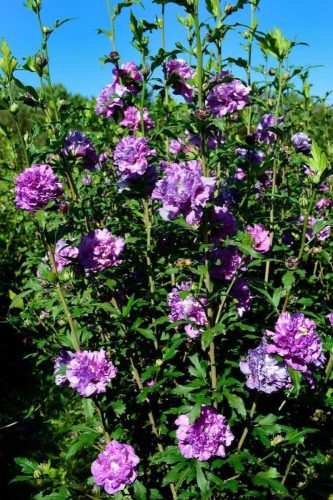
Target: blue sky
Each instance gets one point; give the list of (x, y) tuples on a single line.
[(75, 48)]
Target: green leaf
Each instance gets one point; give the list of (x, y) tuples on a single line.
[(288, 280), (140, 490), (235, 402), (201, 478)]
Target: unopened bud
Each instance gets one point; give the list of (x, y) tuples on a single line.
[(202, 114), (114, 56), (46, 30), (272, 71), (292, 262), (145, 70), (228, 9), (14, 108)]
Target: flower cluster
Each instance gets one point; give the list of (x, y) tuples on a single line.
[(89, 372), (227, 97), (64, 254), (36, 186), (115, 467), (295, 339), (100, 250), (265, 373), (187, 308), (183, 190), (131, 156), (206, 437)]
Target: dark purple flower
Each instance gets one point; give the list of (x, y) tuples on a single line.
[(227, 97), (131, 156), (187, 309), (231, 261), (65, 254), (242, 293), (36, 186), (206, 437), (301, 143), (115, 467), (265, 373), (296, 341), (179, 70), (132, 119), (254, 157), (267, 121), (77, 145), (100, 250), (184, 190), (89, 372), (225, 222)]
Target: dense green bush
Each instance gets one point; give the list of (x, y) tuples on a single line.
[(245, 219)]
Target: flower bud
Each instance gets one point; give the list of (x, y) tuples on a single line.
[(14, 108), (202, 114), (46, 30), (228, 9), (114, 56), (272, 71), (145, 70), (292, 262)]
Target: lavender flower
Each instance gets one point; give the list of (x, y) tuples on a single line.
[(89, 372), (184, 190), (110, 101), (254, 157), (131, 156), (100, 250), (206, 437), (129, 75), (188, 309), (242, 293), (321, 235), (115, 467), (64, 254), (264, 372), (60, 365), (301, 143), (261, 237), (77, 145), (231, 261), (267, 121), (36, 186), (323, 203), (132, 119), (330, 317), (296, 340), (227, 97), (179, 70)]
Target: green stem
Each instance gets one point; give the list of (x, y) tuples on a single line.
[(275, 164), (247, 428), (18, 128), (198, 54), (305, 223), (292, 458), (329, 368), (112, 23)]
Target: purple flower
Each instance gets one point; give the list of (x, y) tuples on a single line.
[(60, 366), (100, 250), (296, 340), (89, 372), (180, 67), (301, 143), (231, 261), (267, 121), (77, 145), (323, 203), (129, 76), (322, 235), (206, 437), (179, 70), (132, 119), (225, 222), (36, 186), (242, 293), (330, 317), (227, 97), (184, 190), (131, 156), (187, 309), (110, 101), (87, 180), (265, 373), (115, 467), (261, 237), (64, 254), (254, 157)]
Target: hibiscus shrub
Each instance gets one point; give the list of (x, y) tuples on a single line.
[(177, 271)]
